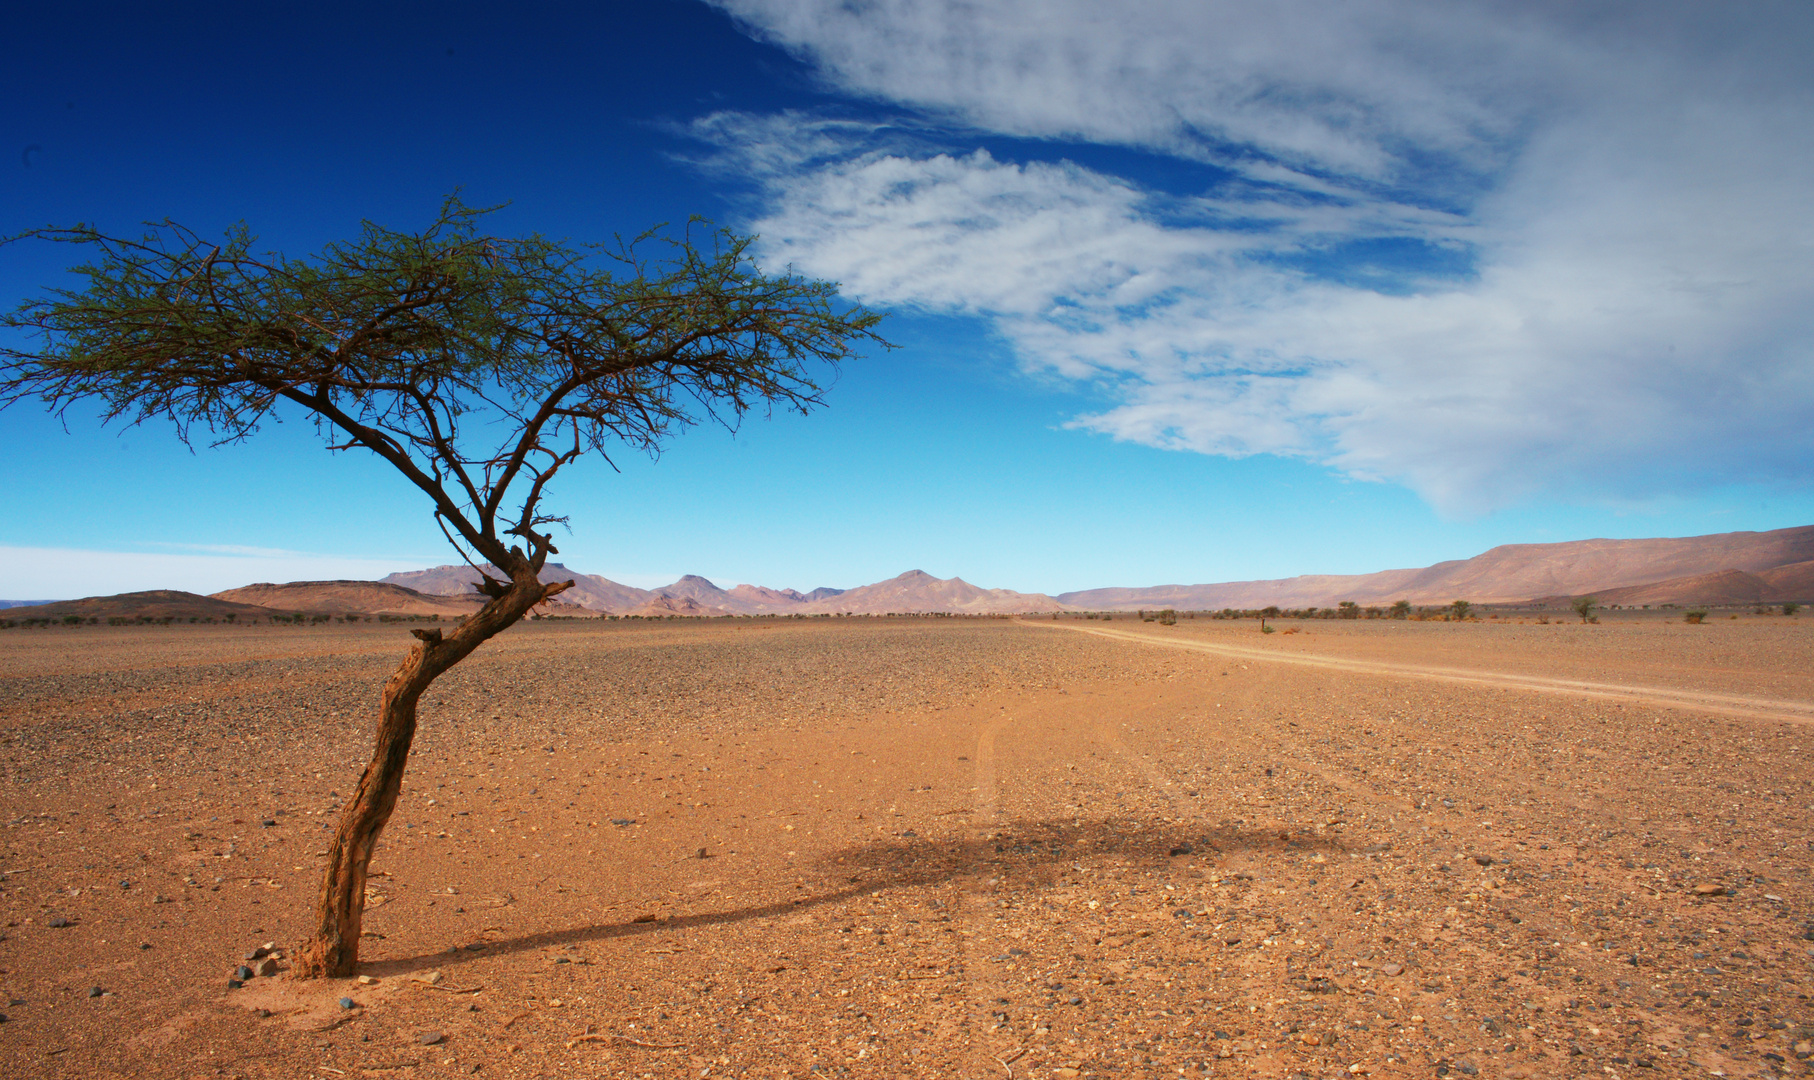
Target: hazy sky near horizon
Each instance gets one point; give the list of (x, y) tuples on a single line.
[(1187, 291)]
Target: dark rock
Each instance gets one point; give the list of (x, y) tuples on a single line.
[(58, 922), (242, 973), (348, 1003), (235, 984), (257, 954), (1076, 1001), (1484, 860), (268, 823), (95, 991), (1181, 849), (431, 1038)]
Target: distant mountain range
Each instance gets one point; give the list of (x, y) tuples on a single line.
[(914, 591), (1725, 568), (1684, 570)]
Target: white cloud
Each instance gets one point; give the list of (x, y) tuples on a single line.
[(28, 573), (1631, 189)]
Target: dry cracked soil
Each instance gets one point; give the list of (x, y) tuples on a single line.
[(923, 848)]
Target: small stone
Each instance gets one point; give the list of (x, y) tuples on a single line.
[(242, 973), (1706, 889), (234, 984), (257, 954), (700, 854), (348, 1003), (1181, 849), (95, 991), (432, 976), (1391, 969), (1076, 1001), (58, 922), (431, 1038), (160, 898), (367, 980), (269, 823), (1484, 860), (266, 967)]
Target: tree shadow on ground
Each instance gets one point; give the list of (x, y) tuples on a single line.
[(1026, 850)]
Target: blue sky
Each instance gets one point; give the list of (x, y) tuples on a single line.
[(1190, 292)]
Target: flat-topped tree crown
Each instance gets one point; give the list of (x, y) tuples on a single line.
[(478, 366), (475, 365)]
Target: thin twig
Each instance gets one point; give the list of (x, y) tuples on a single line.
[(448, 989), (1013, 1056), (608, 1037)]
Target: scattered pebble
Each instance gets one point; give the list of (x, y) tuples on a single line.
[(431, 1038), (348, 1003)]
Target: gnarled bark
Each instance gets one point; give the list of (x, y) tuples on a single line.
[(333, 951)]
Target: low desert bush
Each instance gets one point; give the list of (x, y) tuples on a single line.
[(1790, 609), (1694, 616)]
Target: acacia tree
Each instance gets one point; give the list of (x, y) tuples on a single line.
[(477, 366)]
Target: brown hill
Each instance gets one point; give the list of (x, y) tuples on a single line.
[(152, 604), (1792, 582), (589, 590), (1510, 573), (1725, 587), (660, 607), (343, 597), (707, 596), (766, 600), (917, 591)]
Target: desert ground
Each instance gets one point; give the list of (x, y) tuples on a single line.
[(924, 848)]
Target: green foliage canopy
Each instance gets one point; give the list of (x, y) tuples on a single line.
[(476, 365)]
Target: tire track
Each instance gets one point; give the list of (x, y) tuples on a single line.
[(1755, 708)]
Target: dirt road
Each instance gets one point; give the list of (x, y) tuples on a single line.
[(1757, 708), (930, 848)]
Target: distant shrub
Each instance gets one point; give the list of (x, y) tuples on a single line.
[(1459, 609), (1791, 608), (1168, 617), (1584, 606), (1694, 616), (1401, 609)]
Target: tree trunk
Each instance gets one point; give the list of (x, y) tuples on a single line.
[(333, 951)]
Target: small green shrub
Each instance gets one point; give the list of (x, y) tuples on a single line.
[(1791, 608), (1694, 616)]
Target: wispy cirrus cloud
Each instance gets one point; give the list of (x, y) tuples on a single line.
[(1486, 251)]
